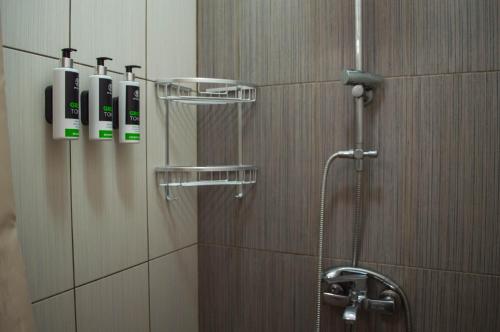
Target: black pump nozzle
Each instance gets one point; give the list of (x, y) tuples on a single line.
[(66, 52), (100, 60), (129, 68)]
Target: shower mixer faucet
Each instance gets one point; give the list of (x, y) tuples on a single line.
[(347, 287)]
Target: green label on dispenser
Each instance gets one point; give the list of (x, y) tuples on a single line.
[(105, 100), (71, 132), (132, 105), (72, 106), (105, 134), (132, 136)]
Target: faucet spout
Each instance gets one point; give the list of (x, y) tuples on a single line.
[(351, 313)]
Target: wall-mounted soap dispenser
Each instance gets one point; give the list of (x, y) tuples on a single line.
[(100, 103), (128, 106), (65, 102)]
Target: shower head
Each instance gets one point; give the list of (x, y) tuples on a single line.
[(356, 77)]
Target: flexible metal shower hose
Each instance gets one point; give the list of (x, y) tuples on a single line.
[(357, 231), (320, 243), (357, 227)]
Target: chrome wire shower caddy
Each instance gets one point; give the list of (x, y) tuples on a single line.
[(205, 91)]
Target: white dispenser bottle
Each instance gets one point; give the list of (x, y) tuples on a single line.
[(101, 103), (128, 105), (65, 99)]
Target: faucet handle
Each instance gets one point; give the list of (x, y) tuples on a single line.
[(388, 303), (337, 300)]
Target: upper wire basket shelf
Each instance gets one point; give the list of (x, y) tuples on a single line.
[(193, 176), (205, 91)]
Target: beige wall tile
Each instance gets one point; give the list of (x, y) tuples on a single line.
[(172, 225), (36, 26), (41, 176), (56, 314), (100, 187), (171, 41), (109, 200), (174, 291), (118, 303), (113, 28)]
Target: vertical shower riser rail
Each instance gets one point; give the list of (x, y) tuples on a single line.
[(240, 142)]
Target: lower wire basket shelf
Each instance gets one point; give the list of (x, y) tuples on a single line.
[(194, 176)]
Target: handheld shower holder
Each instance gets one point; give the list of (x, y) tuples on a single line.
[(357, 77), (363, 83)]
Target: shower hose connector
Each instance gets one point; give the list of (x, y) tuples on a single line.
[(360, 154), (357, 154)]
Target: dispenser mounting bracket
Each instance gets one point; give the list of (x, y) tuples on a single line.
[(84, 107), (48, 104)]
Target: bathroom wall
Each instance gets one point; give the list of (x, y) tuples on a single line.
[(104, 251), (431, 198)]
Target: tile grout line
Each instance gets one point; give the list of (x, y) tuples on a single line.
[(75, 62), (30, 52), (111, 274), (71, 205), (174, 251), (197, 73), (278, 84), (69, 21), (72, 235), (135, 265), (146, 152), (114, 273), (53, 295), (491, 275)]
